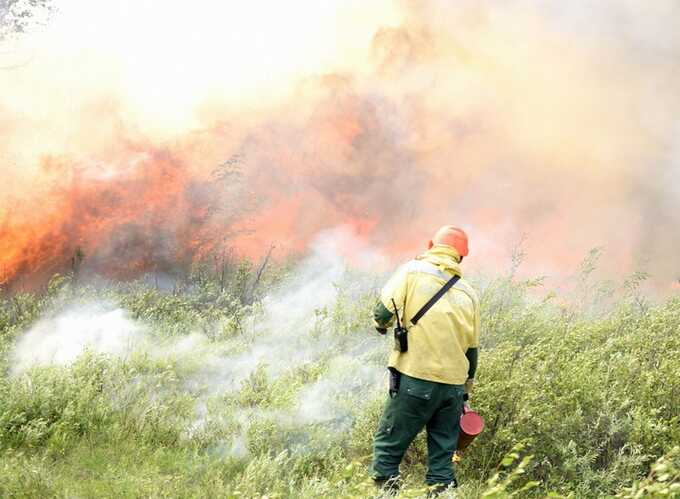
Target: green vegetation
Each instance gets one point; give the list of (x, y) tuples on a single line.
[(581, 395)]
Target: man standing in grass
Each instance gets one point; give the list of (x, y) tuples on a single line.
[(428, 380)]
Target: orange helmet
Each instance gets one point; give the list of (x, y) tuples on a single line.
[(452, 236)]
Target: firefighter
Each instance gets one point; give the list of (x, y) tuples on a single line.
[(429, 381)]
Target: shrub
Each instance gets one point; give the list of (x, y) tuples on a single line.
[(588, 384)]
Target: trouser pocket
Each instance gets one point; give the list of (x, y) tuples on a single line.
[(417, 388)]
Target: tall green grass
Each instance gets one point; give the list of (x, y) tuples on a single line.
[(581, 396)]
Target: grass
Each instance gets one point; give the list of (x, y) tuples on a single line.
[(237, 394)]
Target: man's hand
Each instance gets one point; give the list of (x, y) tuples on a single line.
[(379, 327), (469, 386)]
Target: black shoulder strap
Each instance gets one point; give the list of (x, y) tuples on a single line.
[(434, 299)]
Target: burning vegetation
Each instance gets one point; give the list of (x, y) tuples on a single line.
[(504, 120)]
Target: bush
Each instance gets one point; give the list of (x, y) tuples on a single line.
[(590, 387)]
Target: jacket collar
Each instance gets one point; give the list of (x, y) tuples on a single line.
[(444, 257)]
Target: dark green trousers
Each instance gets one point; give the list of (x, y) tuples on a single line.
[(418, 404)]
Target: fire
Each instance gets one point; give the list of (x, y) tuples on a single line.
[(220, 128), (83, 208)]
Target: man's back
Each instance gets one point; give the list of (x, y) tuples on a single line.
[(438, 343)]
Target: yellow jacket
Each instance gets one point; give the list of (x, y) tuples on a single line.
[(438, 343)]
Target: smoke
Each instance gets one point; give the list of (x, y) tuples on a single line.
[(60, 340), (296, 326), (323, 400), (214, 126)]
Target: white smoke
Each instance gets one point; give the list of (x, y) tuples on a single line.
[(287, 333), (60, 340), (291, 328), (324, 400)]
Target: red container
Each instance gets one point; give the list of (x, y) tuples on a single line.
[(471, 425)]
